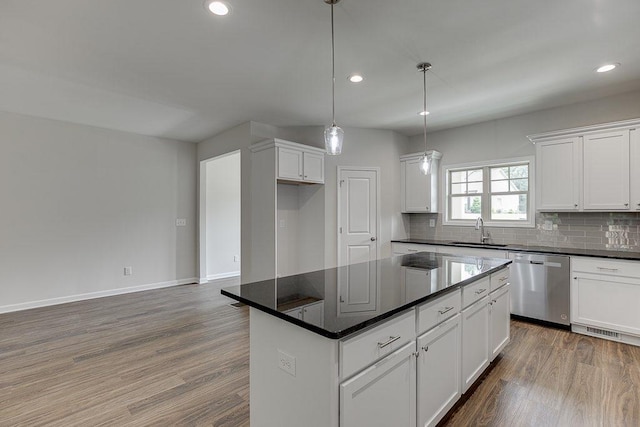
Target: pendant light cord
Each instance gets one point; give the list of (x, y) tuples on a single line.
[(333, 72), (424, 111)]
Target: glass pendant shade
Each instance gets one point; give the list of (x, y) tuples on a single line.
[(425, 164), (333, 137)]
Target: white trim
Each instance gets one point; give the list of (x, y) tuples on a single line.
[(223, 275), (530, 223), (276, 142), (624, 124), (93, 295)]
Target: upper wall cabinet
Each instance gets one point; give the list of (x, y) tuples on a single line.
[(559, 174), (299, 163), (594, 168), (419, 193)]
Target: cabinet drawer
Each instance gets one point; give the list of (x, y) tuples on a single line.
[(499, 279), (605, 266), (434, 312), (364, 349), (473, 292), (411, 248)]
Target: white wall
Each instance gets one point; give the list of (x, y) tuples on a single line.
[(506, 138), (362, 147), (223, 216), (80, 203)]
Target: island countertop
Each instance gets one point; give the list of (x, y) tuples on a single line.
[(357, 296)]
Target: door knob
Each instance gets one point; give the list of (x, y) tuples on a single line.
[(373, 239)]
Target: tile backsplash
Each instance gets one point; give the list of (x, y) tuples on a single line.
[(583, 230)]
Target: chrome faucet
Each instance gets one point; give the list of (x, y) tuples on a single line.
[(480, 226)]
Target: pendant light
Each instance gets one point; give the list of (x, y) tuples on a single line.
[(425, 162), (333, 135)]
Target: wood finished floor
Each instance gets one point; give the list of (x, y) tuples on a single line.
[(179, 356)]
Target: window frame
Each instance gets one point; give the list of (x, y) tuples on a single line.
[(486, 194)]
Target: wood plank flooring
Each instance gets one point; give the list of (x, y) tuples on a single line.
[(180, 356)]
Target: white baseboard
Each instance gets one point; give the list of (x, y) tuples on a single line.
[(223, 275), (93, 295)]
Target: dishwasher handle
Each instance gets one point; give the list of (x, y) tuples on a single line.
[(537, 262)]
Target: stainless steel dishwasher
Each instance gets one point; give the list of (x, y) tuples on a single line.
[(540, 287)]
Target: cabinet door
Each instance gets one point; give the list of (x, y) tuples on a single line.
[(416, 187), (559, 174), (314, 313), (438, 371), (313, 167), (606, 171), (289, 164), (606, 302), (475, 341), (634, 166), (382, 395), (499, 320)]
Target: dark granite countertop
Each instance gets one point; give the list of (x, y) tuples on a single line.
[(360, 295), (599, 253)]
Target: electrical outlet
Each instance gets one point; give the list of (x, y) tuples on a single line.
[(283, 224), (236, 258), (432, 222), (287, 363), (181, 222), (128, 271)]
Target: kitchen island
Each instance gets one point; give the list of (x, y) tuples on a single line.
[(389, 342)]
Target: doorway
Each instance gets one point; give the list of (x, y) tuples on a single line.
[(219, 233)]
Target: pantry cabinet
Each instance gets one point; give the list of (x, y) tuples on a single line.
[(419, 192)]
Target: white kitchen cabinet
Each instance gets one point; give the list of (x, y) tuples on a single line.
[(438, 371), (605, 296), (410, 248), (299, 163), (382, 395), (559, 174), (606, 170), (475, 342), (634, 162), (499, 320), (311, 313), (419, 192)]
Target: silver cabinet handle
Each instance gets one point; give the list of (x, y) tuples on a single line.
[(606, 269), (575, 206), (504, 278), (373, 239), (389, 341), (427, 207), (425, 348), (626, 204), (479, 291), (412, 250), (445, 310)]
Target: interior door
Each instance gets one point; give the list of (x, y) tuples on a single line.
[(358, 212)]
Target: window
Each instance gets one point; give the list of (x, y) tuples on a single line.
[(499, 193)]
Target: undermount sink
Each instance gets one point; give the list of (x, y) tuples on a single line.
[(495, 245)]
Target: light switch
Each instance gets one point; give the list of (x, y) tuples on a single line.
[(181, 222)]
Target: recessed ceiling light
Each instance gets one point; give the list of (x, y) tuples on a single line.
[(424, 113), (218, 8), (356, 78), (607, 67)]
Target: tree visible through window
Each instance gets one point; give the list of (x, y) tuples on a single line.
[(498, 193)]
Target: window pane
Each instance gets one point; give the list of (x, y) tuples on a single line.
[(520, 185), (500, 173), (475, 187), (521, 171), (475, 175), (458, 188), (465, 207), (459, 176), (499, 186), (509, 207)]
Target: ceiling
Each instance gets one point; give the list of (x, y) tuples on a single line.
[(169, 68)]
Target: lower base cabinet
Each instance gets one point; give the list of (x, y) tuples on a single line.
[(499, 320), (438, 371), (475, 341), (384, 394)]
